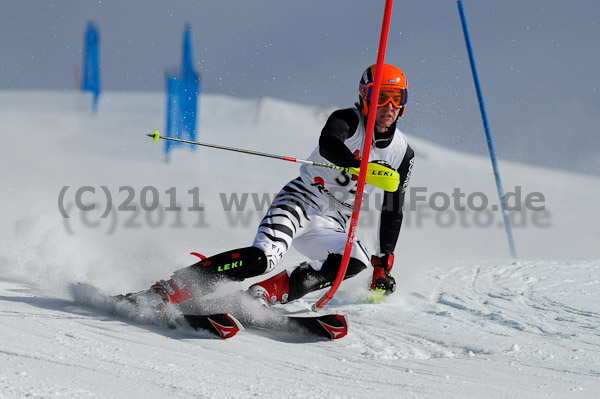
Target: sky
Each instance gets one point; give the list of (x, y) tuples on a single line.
[(537, 60)]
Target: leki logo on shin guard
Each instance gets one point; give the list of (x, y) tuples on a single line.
[(229, 266)]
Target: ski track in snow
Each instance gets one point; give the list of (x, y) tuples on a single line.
[(519, 323)]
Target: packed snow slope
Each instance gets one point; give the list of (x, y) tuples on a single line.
[(466, 321)]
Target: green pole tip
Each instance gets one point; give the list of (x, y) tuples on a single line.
[(156, 136)]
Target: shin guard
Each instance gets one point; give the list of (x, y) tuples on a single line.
[(305, 279)]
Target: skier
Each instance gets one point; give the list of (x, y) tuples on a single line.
[(311, 212)]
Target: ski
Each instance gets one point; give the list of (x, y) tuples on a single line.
[(225, 325), (331, 326), (223, 317), (222, 325), (255, 315)]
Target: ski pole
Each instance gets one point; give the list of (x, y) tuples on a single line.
[(486, 128), (377, 175)]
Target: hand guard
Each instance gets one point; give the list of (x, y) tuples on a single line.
[(382, 279)]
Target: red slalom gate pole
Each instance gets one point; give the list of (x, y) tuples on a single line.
[(387, 15)]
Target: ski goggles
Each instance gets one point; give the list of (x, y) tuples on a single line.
[(394, 95)]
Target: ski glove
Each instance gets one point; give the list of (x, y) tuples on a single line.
[(382, 279)]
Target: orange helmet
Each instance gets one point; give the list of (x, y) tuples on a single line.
[(393, 88)]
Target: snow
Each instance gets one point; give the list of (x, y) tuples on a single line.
[(466, 322)]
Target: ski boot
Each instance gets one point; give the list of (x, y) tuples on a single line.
[(273, 290), (159, 295)]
